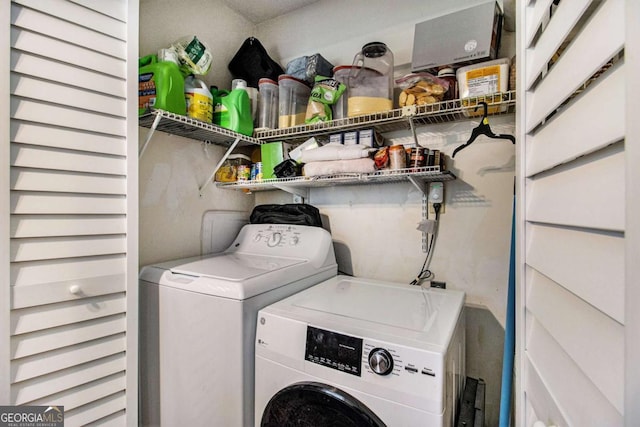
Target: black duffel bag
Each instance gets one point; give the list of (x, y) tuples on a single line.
[(293, 213)]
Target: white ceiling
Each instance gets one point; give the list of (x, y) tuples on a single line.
[(260, 10)]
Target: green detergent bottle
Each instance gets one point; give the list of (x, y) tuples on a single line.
[(232, 109), (160, 85)]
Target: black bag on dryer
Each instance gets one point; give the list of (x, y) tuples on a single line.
[(252, 62), (292, 213)]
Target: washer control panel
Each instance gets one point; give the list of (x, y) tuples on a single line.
[(275, 235)]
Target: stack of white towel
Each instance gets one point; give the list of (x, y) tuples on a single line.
[(335, 158)]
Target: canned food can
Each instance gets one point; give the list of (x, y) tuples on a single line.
[(244, 172), (256, 171), (418, 157), (397, 157)]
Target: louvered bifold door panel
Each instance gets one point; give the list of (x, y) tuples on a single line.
[(68, 207), (572, 171)]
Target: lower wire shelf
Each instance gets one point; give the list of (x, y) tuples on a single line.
[(426, 174)]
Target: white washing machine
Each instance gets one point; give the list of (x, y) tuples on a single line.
[(198, 318), (359, 352)]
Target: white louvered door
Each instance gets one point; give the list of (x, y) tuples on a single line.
[(574, 212), (69, 222)]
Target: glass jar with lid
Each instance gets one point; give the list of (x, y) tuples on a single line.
[(370, 82)]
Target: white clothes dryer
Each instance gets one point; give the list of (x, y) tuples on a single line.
[(198, 317), (352, 352)]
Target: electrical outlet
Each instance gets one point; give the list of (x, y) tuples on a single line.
[(436, 195)]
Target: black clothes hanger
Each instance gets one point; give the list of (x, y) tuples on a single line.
[(483, 129)]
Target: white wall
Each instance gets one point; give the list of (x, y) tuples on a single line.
[(221, 29), (173, 168), (339, 29), (171, 209)]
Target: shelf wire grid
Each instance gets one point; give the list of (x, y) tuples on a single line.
[(426, 173), (188, 127)]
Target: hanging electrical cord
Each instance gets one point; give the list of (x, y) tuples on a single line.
[(425, 273)]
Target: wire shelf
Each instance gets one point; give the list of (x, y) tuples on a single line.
[(427, 173), (397, 119), (187, 127), (387, 121)]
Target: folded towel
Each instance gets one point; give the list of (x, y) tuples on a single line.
[(335, 167), (335, 151)]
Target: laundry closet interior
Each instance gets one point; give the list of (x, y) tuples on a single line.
[(374, 225), (539, 234)]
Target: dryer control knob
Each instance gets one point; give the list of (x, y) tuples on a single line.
[(381, 361)]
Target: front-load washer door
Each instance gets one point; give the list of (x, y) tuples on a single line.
[(317, 405)]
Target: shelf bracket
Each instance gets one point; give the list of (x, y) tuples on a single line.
[(422, 187), (222, 160), (296, 191), (152, 129)]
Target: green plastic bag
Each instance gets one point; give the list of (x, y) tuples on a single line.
[(326, 92)]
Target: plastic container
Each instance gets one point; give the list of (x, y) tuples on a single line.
[(237, 167), (254, 96), (268, 109), (232, 110), (160, 85), (371, 92), (341, 74), (293, 97), (480, 80), (199, 100)]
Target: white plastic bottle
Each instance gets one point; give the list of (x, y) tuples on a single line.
[(199, 99)]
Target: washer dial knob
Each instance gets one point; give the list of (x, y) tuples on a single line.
[(274, 239), (381, 361)]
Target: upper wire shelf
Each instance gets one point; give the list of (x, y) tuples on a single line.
[(397, 119), (387, 121), (188, 127)]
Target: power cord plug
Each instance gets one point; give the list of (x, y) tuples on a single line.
[(436, 208)]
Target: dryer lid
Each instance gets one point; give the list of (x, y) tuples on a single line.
[(381, 310)]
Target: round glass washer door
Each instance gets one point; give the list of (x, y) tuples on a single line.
[(311, 404)]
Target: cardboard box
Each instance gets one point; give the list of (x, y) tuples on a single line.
[(460, 38), (272, 154), (370, 137), (336, 138), (350, 138)]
